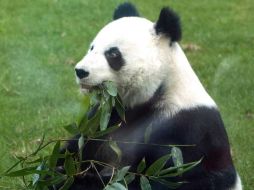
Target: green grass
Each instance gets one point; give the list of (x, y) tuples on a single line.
[(40, 41)]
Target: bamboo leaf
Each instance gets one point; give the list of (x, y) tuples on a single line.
[(52, 181), (94, 98), (69, 164), (129, 178), (111, 88), (93, 124), (72, 128), (105, 116), (168, 184), (170, 170), (115, 186), (113, 102), (82, 118), (67, 183), (177, 156), (85, 103), (54, 155), (26, 171), (81, 142), (113, 145), (156, 167), (107, 131), (105, 95), (37, 160), (144, 183), (83, 126), (121, 173), (178, 170), (120, 108), (141, 166), (36, 177)]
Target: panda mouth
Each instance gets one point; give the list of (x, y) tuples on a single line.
[(86, 87)]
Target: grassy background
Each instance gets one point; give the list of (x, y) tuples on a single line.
[(40, 41)]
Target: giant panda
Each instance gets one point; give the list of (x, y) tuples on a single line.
[(159, 90)]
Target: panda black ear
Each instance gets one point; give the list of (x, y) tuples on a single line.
[(125, 10), (169, 24)]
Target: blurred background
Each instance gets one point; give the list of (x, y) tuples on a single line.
[(40, 42)]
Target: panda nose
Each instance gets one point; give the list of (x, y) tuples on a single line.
[(81, 73)]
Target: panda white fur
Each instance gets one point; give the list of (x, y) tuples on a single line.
[(160, 90)]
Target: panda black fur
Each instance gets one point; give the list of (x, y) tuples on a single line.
[(160, 91)]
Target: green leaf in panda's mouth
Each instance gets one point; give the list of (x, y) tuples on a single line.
[(110, 88)]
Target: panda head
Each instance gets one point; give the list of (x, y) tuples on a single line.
[(131, 51)]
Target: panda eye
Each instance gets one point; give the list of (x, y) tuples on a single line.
[(114, 58), (91, 48), (112, 53)]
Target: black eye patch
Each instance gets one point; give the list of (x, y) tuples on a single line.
[(114, 58)]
